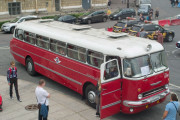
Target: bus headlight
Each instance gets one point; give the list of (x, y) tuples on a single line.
[(166, 86), (140, 96)]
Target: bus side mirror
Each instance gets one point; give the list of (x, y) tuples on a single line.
[(128, 72)]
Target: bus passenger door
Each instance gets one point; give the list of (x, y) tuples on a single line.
[(110, 101)]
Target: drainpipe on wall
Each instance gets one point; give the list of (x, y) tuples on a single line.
[(36, 7)]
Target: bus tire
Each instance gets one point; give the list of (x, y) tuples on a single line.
[(30, 66), (90, 95)]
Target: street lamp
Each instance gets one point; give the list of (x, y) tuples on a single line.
[(127, 3)]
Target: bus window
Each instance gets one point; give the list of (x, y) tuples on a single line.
[(95, 58), (42, 42), (111, 70), (72, 51), (29, 37), (82, 54), (19, 34), (53, 46), (61, 48)]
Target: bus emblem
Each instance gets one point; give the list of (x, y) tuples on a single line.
[(57, 60)]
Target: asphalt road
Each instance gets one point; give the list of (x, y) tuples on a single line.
[(173, 56)]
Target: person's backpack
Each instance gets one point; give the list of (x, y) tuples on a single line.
[(10, 71)]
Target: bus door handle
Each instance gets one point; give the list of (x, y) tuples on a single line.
[(145, 80)]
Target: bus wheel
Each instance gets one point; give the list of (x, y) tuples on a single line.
[(90, 95), (30, 66)]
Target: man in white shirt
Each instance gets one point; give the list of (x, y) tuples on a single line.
[(42, 98)]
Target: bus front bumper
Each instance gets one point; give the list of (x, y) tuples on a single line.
[(146, 101)]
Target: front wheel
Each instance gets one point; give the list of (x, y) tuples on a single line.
[(170, 38), (30, 66), (12, 30), (91, 95)]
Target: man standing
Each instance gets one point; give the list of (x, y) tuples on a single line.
[(141, 18), (42, 99), (12, 79), (156, 13)]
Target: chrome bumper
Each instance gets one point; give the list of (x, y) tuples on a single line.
[(146, 101)]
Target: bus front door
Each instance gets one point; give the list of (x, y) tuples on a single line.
[(110, 100)]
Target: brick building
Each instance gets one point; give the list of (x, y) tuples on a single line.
[(21, 6)]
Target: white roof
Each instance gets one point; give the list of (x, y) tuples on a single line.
[(95, 39)]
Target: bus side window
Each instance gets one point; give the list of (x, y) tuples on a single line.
[(19, 34), (72, 51), (95, 58), (61, 48), (53, 45), (29, 37), (82, 54), (42, 42)]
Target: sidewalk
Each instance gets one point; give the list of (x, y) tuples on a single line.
[(62, 106)]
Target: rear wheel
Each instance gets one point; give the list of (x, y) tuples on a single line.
[(12, 30), (30, 66), (90, 95), (170, 38)]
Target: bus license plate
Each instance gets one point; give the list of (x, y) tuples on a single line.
[(155, 99)]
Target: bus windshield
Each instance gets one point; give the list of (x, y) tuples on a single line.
[(144, 65), (159, 61)]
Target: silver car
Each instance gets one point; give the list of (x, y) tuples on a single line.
[(10, 26)]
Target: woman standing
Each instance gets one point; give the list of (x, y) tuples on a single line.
[(171, 109)]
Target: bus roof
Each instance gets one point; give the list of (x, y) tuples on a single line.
[(100, 40)]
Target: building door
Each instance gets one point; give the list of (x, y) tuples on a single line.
[(86, 4), (57, 5)]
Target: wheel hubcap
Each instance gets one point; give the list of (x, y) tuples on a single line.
[(29, 66), (91, 96), (170, 38)]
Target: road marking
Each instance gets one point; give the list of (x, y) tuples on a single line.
[(4, 47), (174, 85)]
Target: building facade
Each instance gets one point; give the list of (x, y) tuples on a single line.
[(20, 6)]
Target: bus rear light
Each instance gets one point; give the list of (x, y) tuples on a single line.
[(140, 96)]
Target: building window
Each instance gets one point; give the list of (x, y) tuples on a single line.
[(76, 52), (14, 8), (19, 34), (42, 41), (95, 58), (30, 37)]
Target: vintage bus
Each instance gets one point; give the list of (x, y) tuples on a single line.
[(133, 71)]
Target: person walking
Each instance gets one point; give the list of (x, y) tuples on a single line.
[(171, 109), (13, 80), (156, 13), (42, 99), (98, 93), (160, 38), (172, 3), (149, 17)]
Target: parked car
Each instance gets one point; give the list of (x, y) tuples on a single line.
[(145, 2), (151, 31), (124, 26), (10, 26), (97, 16), (122, 14), (177, 16), (144, 9), (66, 19), (178, 45)]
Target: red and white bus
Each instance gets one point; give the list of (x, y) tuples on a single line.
[(134, 74)]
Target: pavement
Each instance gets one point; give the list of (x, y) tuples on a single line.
[(66, 104), (62, 106)]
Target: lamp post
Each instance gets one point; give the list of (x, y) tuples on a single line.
[(127, 3)]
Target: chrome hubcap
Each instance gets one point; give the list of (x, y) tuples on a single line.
[(29, 66), (91, 96), (170, 38)]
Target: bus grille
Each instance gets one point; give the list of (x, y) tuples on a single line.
[(151, 92)]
